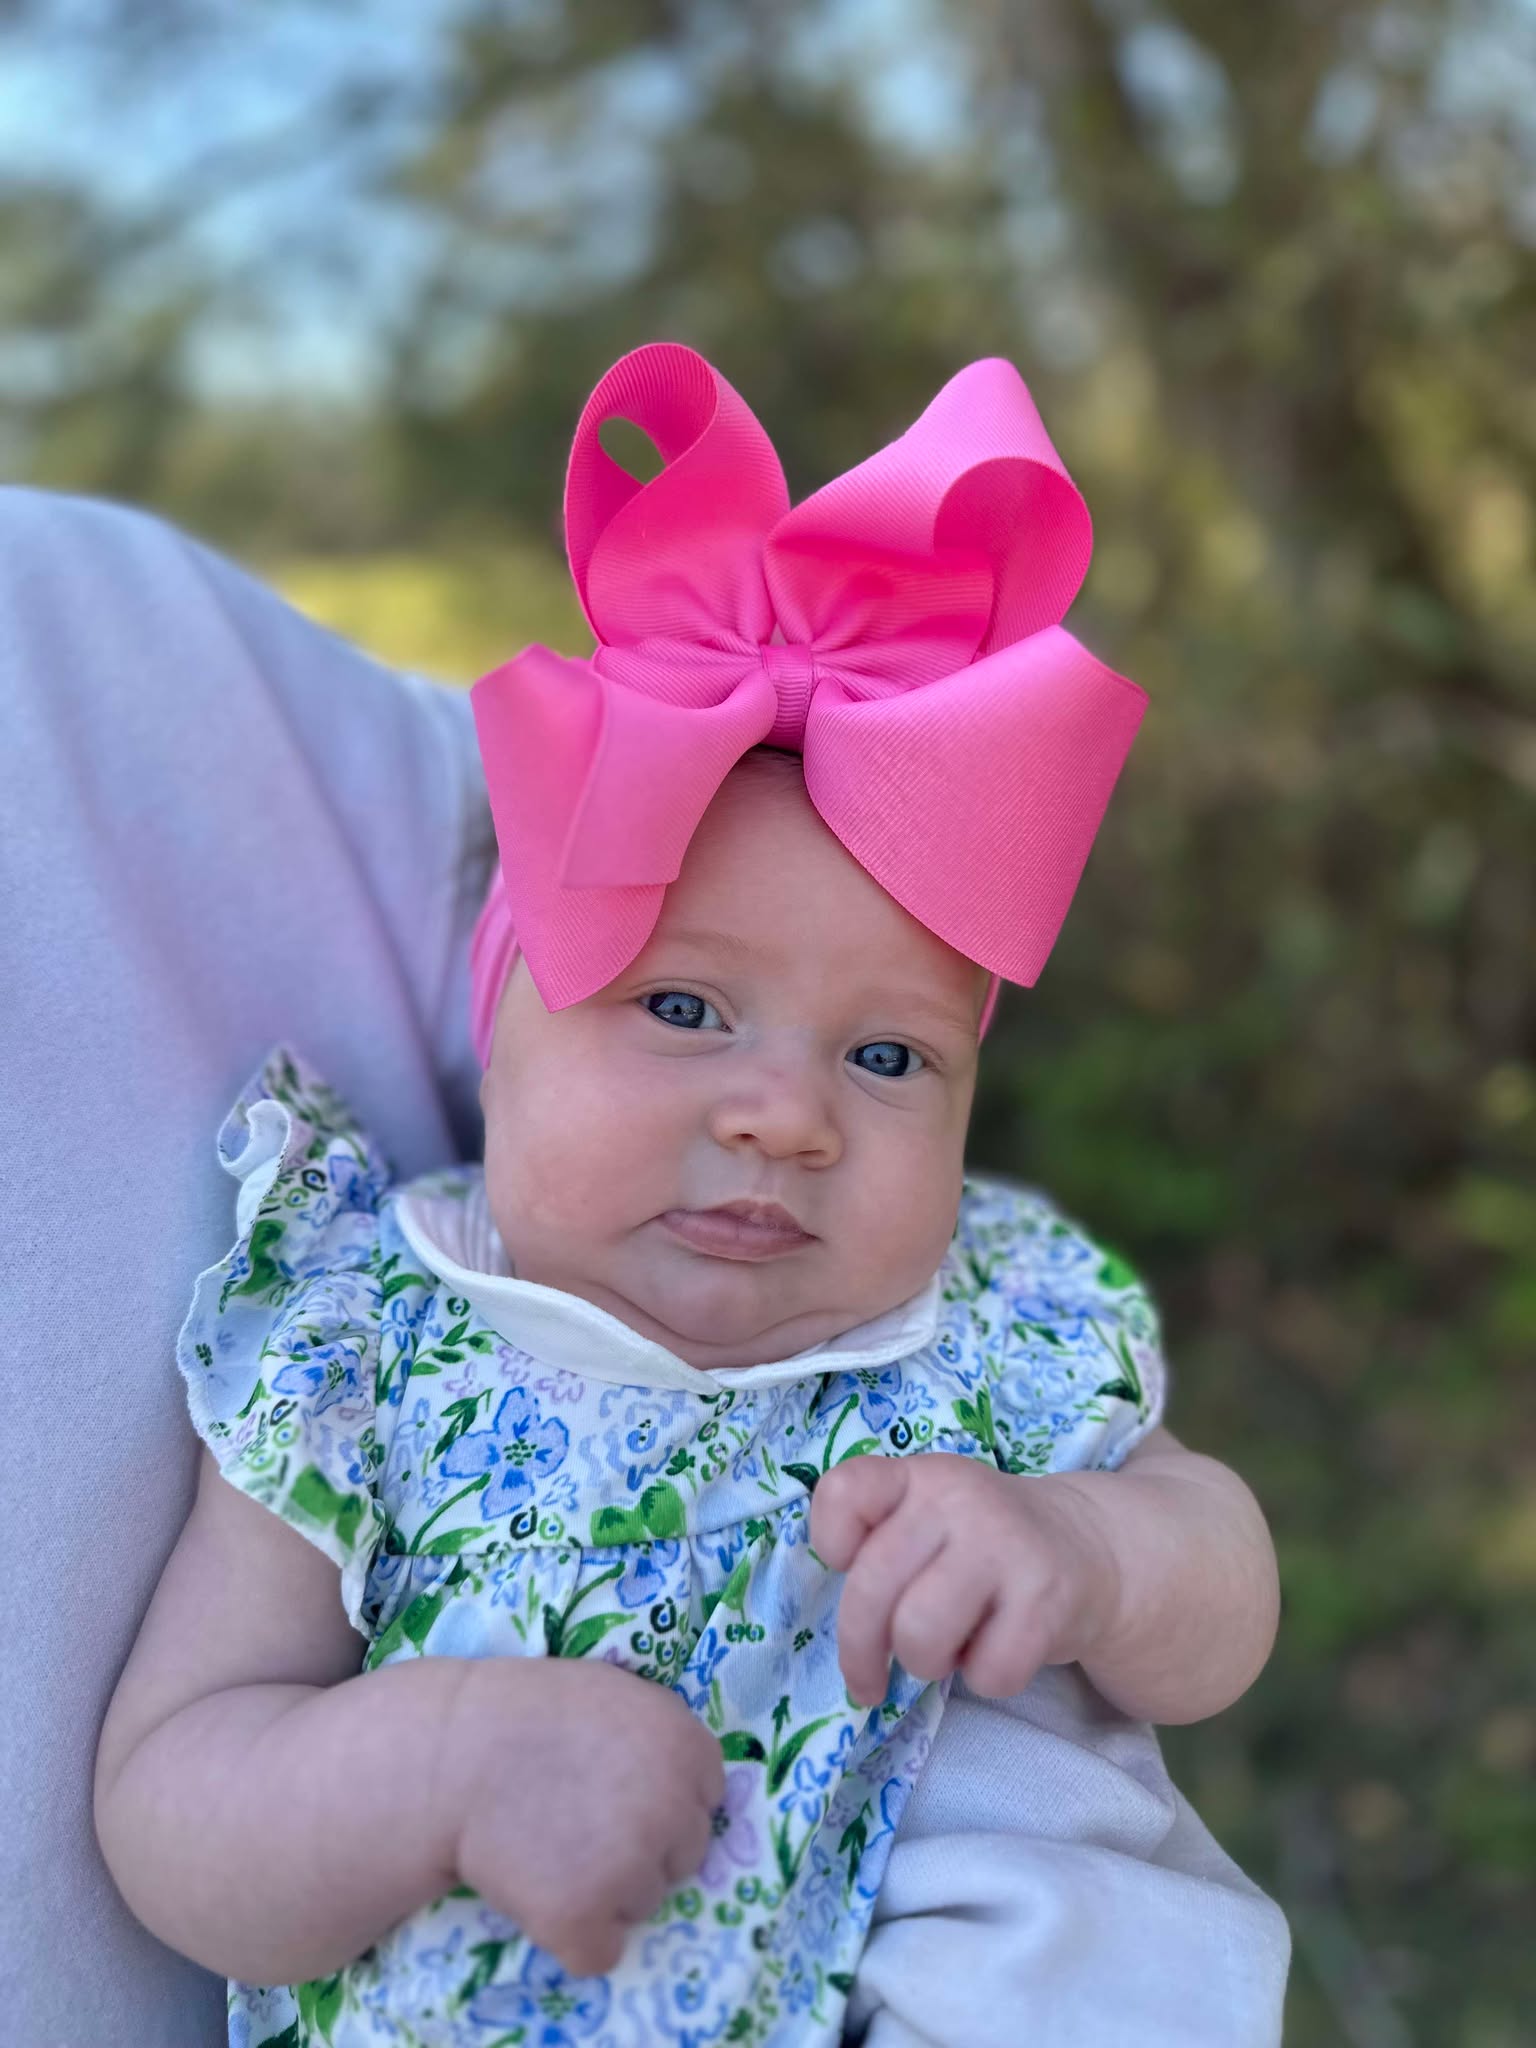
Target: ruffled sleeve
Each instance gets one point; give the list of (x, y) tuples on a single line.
[(280, 1348), (1076, 1377)]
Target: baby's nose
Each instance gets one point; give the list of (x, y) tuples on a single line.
[(784, 1110)]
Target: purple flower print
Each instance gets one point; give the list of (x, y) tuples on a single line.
[(520, 1446), (734, 1840), (645, 1576), (552, 2009)]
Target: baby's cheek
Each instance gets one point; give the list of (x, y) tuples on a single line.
[(559, 1171), (909, 1238)]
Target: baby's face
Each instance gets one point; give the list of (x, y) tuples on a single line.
[(751, 1140)]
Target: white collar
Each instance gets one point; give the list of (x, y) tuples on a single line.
[(451, 1232)]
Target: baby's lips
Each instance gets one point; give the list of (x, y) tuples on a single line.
[(739, 1230)]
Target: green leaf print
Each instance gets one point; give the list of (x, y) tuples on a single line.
[(843, 1414), (415, 1624), (450, 1542), (782, 1761), (852, 1844), (461, 1416), (475, 1486), (1116, 1273), (288, 2038), (487, 1955), (807, 1475), (614, 1526), (258, 1393), (320, 2003), (976, 1416), (554, 1630), (661, 1509), (318, 1501), (266, 1275), (1127, 1385), (738, 1747), (586, 1635), (733, 1593), (861, 1449)]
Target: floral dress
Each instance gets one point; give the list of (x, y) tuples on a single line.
[(479, 1502)]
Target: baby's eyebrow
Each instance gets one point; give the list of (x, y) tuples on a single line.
[(944, 1013), (707, 940)]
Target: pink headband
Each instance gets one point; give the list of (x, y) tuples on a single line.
[(900, 629)]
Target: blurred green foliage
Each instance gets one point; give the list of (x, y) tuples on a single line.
[(1270, 274)]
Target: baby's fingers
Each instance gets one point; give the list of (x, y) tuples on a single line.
[(1006, 1650), (886, 1565), (939, 1612), (588, 1946), (851, 1500)]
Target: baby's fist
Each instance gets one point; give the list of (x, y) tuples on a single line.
[(954, 1565), (588, 1798)]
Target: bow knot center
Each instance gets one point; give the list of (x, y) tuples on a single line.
[(792, 671)]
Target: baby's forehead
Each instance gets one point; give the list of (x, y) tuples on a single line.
[(765, 887)]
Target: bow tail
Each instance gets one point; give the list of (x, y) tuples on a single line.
[(595, 792), (1020, 752)]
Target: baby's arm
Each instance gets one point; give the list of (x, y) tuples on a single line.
[(1159, 1579), (271, 1812)]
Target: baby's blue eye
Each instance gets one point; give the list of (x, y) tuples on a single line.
[(688, 1013), (890, 1060)]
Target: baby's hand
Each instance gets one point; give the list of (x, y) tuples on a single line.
[(955, 1566), (584, 1795)]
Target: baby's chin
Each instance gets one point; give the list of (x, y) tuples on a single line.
[(722, 1316)]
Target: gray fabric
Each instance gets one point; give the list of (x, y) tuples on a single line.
[(221, 828), (218, 827), (1050, 1886)]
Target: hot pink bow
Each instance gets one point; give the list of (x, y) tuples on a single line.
[(900, 629)]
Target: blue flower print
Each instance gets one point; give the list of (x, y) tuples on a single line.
[(645, 1575), (690, 2005), (550, 2008), (413, 1435), (319, 1375), (439, 1969), (708, 1655), (355, 1183), (507, 1582), (638, 1444), (519, 1446), (399, 1318), (807, 1788), (878, 1390), (893, 1800), (797, 1987)]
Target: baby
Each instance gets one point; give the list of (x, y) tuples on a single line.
[(671, 1467)]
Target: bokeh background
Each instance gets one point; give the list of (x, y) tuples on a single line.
[(327, 284)]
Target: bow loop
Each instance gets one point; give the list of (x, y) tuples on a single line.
[(962, 536), (679, 557)]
